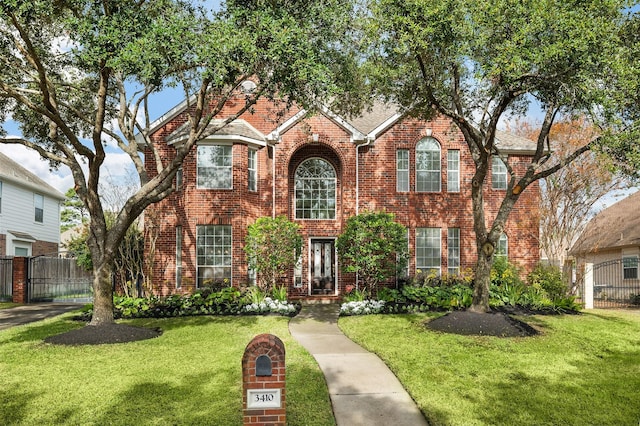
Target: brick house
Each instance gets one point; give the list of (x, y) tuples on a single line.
[(319, 169)]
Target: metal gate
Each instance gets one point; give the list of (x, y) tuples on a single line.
[(58, 279), (615, 286), (6, 278)]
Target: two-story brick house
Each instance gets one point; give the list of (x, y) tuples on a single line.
[(320, 169)]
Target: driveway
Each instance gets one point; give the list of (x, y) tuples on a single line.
[(34, 312)]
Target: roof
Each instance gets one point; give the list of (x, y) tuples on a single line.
[(23, 236), (372, 122), (513, 144), (13, 172), (237, 128), (615, 226)]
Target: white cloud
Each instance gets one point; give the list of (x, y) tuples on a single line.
[(117, 166)]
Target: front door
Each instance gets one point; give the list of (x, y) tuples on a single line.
[(322, 266)]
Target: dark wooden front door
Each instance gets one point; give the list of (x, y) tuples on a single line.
[(322, 264)]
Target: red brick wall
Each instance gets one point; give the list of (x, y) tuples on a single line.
[(239, 207), (44, 247)]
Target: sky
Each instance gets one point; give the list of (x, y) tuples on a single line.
[(116, 163)]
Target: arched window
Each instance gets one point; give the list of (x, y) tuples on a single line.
[(315, 190), (428, 165)]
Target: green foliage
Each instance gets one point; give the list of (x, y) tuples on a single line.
[(73, 212), (224, 301), (373, 246), (272, 246), (634, 299), (279, 293), (549, 279), (358, 295)]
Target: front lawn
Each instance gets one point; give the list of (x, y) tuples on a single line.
[(191, 375), (7, 305), (582, 369)]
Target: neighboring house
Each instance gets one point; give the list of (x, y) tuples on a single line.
[(318, 170), (611, 242), (29, 212)]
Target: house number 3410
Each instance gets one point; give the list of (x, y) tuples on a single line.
[(263, 398)]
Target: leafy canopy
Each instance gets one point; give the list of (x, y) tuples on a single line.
[(374, 246)]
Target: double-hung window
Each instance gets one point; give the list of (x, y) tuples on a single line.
[(498, 173), (428, 165), (252, 167), (453, 170), (402, 170), (214, 255), (38, 202), (215, 166), (630, 267), (453, 251), (502, 249), (428, 250), (0, 196)]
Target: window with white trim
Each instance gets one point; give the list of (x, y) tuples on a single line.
[(630, 267), (252, 167), (428, 165), (214, 255), (502, 248), (315, 190), (38, 203), (0, 196), (453, 251), (215, 166), (498, 173), (178, 256), (428, 250), (402, 170), (453, 170)]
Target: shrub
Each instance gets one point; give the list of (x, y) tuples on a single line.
[(365, 307), (635, 299), (549, 279), (356, 295)]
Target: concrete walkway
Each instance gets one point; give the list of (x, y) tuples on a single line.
[(362, 388), (34, 312)]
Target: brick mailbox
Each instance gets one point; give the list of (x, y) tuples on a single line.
[(263, 382)]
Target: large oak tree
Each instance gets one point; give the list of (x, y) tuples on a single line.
[(78, 74), (479, 62)]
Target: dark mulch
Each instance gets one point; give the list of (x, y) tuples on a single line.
[(103, 334), (490, 324)]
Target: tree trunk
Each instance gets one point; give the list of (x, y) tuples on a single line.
[(480, 303), (102, 294)]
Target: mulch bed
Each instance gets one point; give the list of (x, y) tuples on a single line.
[(477, 324), (103, 334)]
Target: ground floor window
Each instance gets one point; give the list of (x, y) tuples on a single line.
[(453, 249), (428, 250), (630, 267), (214, 255)]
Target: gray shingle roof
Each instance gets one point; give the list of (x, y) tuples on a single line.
[(235, 128), (615, 226), (14, 172)]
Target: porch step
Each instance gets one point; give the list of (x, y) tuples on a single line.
[(317, 300)]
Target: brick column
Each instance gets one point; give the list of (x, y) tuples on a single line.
[(20, 270), (263, 382)]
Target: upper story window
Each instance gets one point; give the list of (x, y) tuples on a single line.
[(402, 170), (453, 170), (428, 165), (498, 174), (215, 169), (630, 267), (38, 203), (315, 190), (0, 196), (179, 177), (252, 167)]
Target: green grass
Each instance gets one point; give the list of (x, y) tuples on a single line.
[(191, 375), (7, 305), (582, 369)]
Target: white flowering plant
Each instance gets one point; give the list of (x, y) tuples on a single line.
[(269, 305), (364, 307)]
